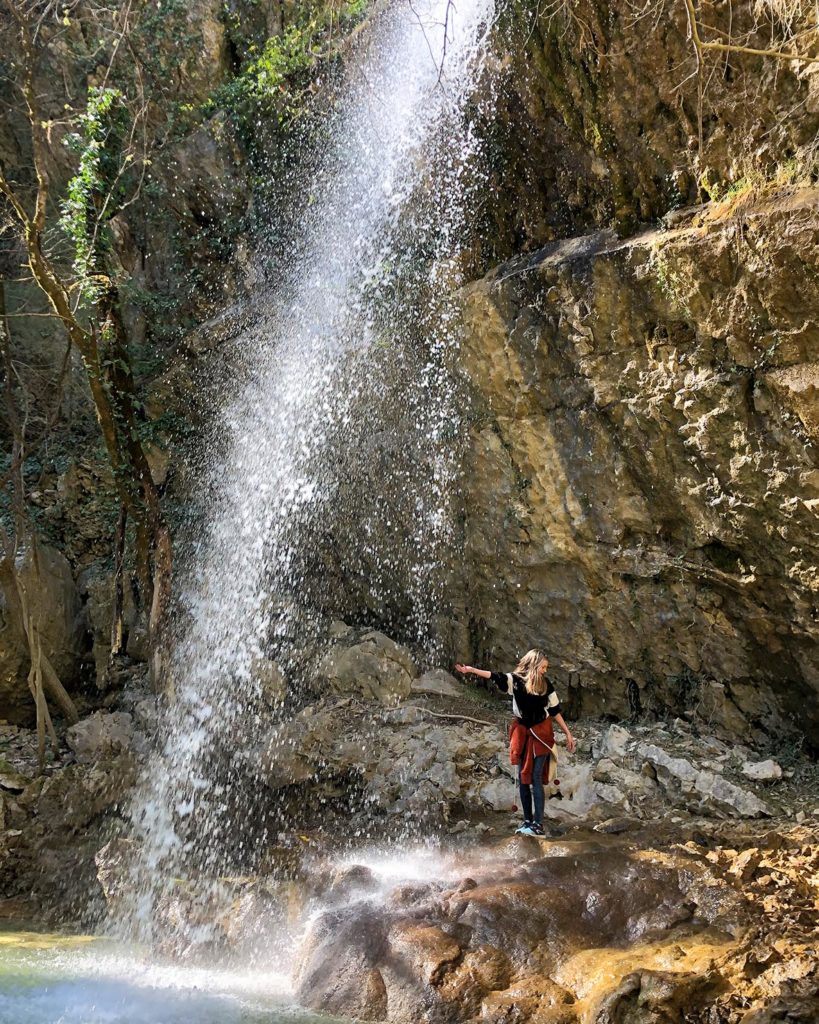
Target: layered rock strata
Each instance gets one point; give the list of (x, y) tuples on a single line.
[(642, 464)]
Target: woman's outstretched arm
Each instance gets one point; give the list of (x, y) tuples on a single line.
[(503, 681), (467, 670)]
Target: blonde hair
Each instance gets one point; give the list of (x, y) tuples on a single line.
[(532, 666)]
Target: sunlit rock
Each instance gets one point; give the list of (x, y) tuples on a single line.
[(503, 940), (762, 771), (614, 742), (655, 528), (711, 789), (500, 794), (114, 862)]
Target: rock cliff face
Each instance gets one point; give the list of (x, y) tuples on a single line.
[(640, 485), (605, 115), (643, 474), (641, 454)]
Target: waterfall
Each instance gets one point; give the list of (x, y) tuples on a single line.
[(336, 447)]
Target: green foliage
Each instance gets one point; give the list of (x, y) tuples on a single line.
[(88, 198), (716, 191), (165, 321), (275, 83), (269, 82), (282, 57)]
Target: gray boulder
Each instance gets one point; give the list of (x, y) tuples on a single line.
[(437, 683), (762, 771), (376, 668), (613, 743), (103, 734), (715, 793), (499, 794)]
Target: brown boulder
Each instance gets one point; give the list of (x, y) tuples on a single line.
[(657, 997), (492, 946), (353, 941)]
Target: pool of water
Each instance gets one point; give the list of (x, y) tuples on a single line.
[(57, 979), (48, 978)]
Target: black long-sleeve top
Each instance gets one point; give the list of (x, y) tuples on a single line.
[(530, 708)]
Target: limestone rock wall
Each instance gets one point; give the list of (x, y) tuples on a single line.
[(600, 117), (642, 487)]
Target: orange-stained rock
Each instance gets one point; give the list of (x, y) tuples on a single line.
[(483, 970), (657, 997), (492, 946), (533, 1000), (425, 950)]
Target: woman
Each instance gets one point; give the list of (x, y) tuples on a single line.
[(534, 705)]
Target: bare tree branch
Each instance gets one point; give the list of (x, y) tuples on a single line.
[(700, 44)]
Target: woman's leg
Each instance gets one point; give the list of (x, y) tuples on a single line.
[(537, 787), (525, 798)]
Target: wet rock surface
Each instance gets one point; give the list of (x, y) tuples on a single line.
[(671, 886), (651, 899), (350, 770), (577, 931)]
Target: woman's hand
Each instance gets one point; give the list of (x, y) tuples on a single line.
[(467, 670), (571, 746)]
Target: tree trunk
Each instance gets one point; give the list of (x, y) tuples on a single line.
[(104, 352)]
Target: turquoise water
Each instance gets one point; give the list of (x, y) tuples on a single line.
[(54, 979)]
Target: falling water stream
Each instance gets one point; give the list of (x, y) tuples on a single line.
[(341, 370), (326, 488)]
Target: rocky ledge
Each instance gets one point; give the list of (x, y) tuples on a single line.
[(679, 867), (581, 930)]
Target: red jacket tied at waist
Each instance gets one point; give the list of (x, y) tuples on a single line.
[(527, 744)]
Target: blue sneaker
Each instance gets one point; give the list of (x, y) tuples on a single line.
[(522, 831)]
